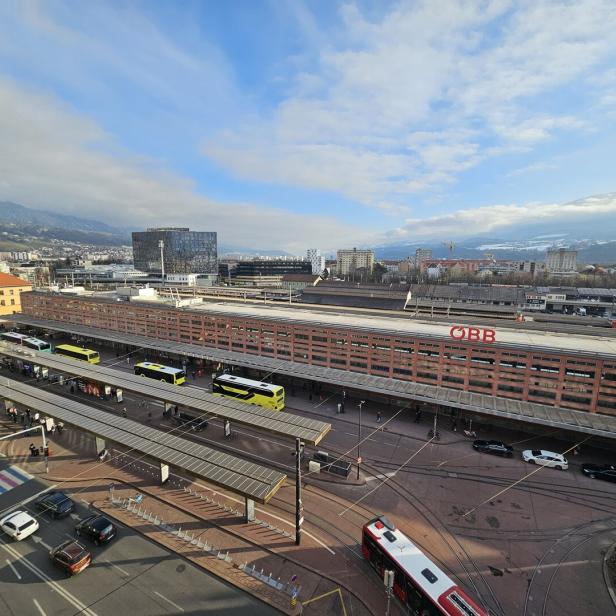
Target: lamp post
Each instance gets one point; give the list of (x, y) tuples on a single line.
[(161, 245), (359, 437)]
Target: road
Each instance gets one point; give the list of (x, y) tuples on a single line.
[(131, 575)]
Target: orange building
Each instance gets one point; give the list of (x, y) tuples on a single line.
[(11, 289)]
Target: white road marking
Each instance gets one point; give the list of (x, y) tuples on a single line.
[(175, 605), (29, 499), (382, 476), (12, 566), (126, 573), (39, 608), (37, 539), (84, 609)]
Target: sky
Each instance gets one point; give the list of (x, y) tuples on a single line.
[(293, 124)]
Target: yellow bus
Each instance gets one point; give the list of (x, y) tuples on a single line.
[(160, 372), (75, 352), (252, 392)]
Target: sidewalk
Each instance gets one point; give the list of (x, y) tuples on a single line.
[(197, 517)]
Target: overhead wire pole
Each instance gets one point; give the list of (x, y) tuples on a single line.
[(359, 437), (299, 508)]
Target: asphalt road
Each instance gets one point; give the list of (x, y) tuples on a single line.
[(130, 575)]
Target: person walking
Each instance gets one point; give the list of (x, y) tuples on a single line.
[(60, 427), (124, 412), (37, 417), (378, 417)]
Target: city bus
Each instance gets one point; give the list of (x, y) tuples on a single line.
[(423, 588), (252, 392), (160, 372), (27, 341), (75, 352)]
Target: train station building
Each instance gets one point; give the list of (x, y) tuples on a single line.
[(546, 370)]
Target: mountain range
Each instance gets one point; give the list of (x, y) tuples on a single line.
[(20, 225)]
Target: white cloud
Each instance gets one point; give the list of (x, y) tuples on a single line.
[(502, 218), (50, 157), (356, 123)]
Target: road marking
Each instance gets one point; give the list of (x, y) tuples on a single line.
[(126, 573), (43, 576), (12, 566), (382, 476), (175, 605), (28, 500), (37, 539), (38, 606)]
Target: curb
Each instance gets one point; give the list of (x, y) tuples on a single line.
[(606, 574)]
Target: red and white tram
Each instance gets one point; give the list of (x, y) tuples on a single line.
[(418, 582)]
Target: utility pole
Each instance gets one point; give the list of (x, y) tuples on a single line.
[(299, 507), (359, 437)]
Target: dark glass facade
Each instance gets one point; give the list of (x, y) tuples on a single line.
[(185, 251), (272, 268)]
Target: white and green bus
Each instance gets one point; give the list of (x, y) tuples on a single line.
[(159, 372)]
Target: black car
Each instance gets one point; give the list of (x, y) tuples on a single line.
[(494, 447), (607, 472), (55, 503), (97, 528)]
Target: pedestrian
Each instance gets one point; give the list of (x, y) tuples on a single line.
[(37, 417), (53, 428), (32, 449), (60, 427), (149, 416), (378, 417), (28, 413), (124, 412), (194, 375), (128, 361), (175, 411), (72, 388), (14, 416), (22, 418)]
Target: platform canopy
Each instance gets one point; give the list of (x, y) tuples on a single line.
[(239, 476), (486, 404)]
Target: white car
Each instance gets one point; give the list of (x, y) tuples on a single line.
[(545, 458), (19, 525)]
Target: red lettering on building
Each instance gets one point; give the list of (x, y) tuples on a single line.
[(457, 332), (472, 334)]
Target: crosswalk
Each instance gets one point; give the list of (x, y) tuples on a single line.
[(11, 477)]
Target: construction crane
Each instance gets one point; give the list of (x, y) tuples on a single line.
[(450, 245)]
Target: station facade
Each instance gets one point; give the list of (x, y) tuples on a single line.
[(470, 360)]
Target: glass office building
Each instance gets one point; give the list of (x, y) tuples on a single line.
[(185, 251)]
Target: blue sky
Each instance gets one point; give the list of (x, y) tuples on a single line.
[(293, 124)]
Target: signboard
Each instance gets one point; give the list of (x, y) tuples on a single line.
[(472, 334)]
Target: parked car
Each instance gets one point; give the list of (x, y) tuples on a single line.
[(494, 447), (71, 556), (97, 528), (55, 503), (19, 525), (545, 458), (606, 472)]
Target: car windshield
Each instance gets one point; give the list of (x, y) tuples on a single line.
[(536, 452)]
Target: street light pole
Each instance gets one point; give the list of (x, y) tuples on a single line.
[(359, 437)]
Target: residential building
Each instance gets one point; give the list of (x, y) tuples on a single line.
[(317, 261), (11, 289), (184, 251), (561, 262), (350, 261), (421, 255)]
